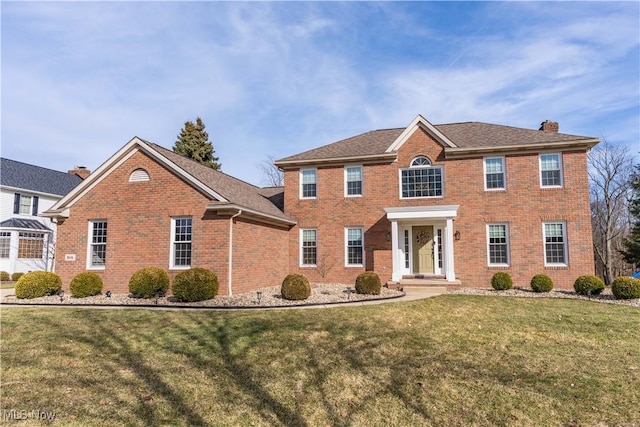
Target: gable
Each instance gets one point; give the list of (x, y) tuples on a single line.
[(238, 195)]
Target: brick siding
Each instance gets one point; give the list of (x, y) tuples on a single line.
[(139, 215), (524, 206)]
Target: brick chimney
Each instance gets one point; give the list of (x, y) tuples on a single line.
[(81, 171), (549, 126)]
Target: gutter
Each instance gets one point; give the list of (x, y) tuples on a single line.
[(230, 268), (371, 158)]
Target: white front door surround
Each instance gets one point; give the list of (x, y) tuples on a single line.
[(404, 218)]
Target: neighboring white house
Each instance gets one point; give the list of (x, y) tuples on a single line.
[(26, 239)]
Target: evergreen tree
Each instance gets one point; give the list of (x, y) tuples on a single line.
[(193, 142), (631, 253)]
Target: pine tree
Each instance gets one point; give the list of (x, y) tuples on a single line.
[(193, 142), (631, 253)]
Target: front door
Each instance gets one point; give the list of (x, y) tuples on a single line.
[(423, 249)]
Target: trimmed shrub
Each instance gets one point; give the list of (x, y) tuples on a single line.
[(588, 285), (501, 281), (4, 276), (295, 287), (541, 283), (626, 288), (16, 276), (38, 284), (148, 282), (86, 285), (195, 284), (368, 283)]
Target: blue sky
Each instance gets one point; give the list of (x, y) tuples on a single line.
[(80, 79)]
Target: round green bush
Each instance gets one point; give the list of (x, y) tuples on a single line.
[(368, 283), (501, 281), (148, 282), (588, 285), (38, 284), (626, 288), (16, 276), (195, 284), (4, 276), (541, 283), (295, 287), (86, 285)]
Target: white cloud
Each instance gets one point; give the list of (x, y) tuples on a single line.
[(80, 79)]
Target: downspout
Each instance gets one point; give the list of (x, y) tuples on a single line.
[(231, 249)]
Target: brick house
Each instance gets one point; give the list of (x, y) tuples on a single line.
[(454, 202), (149, 207)]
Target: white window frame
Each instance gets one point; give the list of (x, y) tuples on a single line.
[(504, 173), (565, 244), (560, 165), (346, 247), (172, 259), (413, 166), (315, 172), (346, 181), (91, 243), (5, 239), (301, 245), (506, 230)]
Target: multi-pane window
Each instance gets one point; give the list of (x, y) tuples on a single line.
[(308, 183), (355, 246), (353, 180), (421, 179), (5, 244), (309, 247), (494, 173), (550, 170), (497, 236), (406, 249), (555, 243), (30, 245), (439, 234), (98, 249), (181, 242), (25, 205)]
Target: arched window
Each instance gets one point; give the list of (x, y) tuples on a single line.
[(420, 161), (139, 175), (421, 179)]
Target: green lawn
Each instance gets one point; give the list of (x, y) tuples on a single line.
[(452, 360)]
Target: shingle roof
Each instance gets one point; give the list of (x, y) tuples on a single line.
[(27, 224), (463, 135), (234, 190), (35, 178), (477, 134)]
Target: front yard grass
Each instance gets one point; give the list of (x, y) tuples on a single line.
[(452, 360)]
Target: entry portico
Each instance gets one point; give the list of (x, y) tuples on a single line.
[(422, 241)]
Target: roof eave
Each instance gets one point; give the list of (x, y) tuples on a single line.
[(56, 213), (371, 158), (464, 152), (232, 208)]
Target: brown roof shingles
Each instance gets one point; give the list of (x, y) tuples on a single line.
[(232, 189), (463, 135)]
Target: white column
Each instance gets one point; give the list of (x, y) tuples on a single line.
[(395, 253), (448, 249)]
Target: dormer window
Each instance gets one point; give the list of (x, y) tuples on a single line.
[(421, 179)]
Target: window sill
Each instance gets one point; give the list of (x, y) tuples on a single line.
[(421, 197), (179, 267), (308, 198), (96, 268), (354, 266), (308, 266), (556, 266)]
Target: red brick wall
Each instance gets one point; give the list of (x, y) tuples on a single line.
[(524, 206), (139, 216)]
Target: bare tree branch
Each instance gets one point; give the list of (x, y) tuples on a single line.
[(272, 176)]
